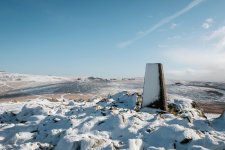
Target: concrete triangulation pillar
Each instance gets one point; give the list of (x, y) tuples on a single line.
[(154, 94)]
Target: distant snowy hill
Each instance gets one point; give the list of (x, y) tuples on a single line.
[(12, 85), (10, 77)]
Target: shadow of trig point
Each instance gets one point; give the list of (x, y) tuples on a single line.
[(154, 93)]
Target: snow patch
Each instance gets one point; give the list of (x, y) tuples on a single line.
[(109, 123)]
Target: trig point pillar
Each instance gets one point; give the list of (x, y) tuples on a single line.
[(154, 94)]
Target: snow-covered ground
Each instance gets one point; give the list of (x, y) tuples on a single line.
[(15, 85), (108, 120), (108, 123), (14, 81)]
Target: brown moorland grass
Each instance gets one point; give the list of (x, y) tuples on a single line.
[(212, 107)]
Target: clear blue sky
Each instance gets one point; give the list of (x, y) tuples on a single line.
[(112, 38)]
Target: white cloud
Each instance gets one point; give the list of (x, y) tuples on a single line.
[(217, 33), (161, 23), (197, 57), (173, 25), (202, 65), (187, 74), (209, 20), (206, 64), (215, 75), (218, 37), (207, 23), (221, 44)]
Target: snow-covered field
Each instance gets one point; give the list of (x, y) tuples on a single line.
[(108, 123), (108, 120), (17, 85)]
